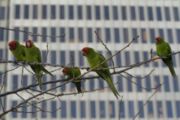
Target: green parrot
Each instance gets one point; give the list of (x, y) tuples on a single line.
[(96, 61), (33, 55), (164, 51), (73, 72), (17, 50)]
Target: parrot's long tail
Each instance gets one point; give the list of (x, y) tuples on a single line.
[(78, 86), (112, 87), (39, 80), (171, 69)]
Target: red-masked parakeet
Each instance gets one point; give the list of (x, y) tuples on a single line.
[(96, 61), (34, 56), (17, 50), (164, 51), (73, 72)]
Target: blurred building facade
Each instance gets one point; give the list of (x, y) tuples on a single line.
[(118, 22)]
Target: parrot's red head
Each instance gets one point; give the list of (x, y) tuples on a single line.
[(29, 43), (158, 39), (65, 71), (12, 45), (85, 51)]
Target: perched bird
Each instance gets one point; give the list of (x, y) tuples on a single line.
[(97, 61), (33, 55), (17, 50), (164, 51), (73, 72)]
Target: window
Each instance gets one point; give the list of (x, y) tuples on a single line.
[(118, 59), (176, 13), (72, 57), (2, 12), (35, 11), (121, 109), (62, 32), (62, 58), (133, 13), (169, 109), (35, 31), (33, 109), (134, 34), (136, 57), (150, 111), (91, 84), (125, 35), (82, 109), (159, 107), (44, 56), (17, 11), (150, 13), (71, 12), (131, 109), (178, 35), (44, 12), (161, 32), (80, 12), (138, 84), (73, 109), (124, 13), (145, 58), (152, 35), (1, 34), (127, 58), (53, 57), (53, 34), (63, 87), (141, 12), (143, 35), (166, 84), (44, 33), (80, 34), (97, 12), (26, 11), (116, 35), (129, 84), (15, 82), (71, 34), (53, 12), (120, 83), (175, 84), (158, 13), (62, 12), (93, 109), (148, 84), (63, 110), (102, 109), (111, 109), (81, 59), (24, 111), (88, 13), (170, 35), (53, 85), (141, 109), (115, 12), (14, 104), (101, 83), (89, 34), (107, 35), (53, 109), (44, 108), (106, 12), (167, 13), (1, 56), (44, 87), (25, 35), (24, 81), (157, 82), (177, 109)]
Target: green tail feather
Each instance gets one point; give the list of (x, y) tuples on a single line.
[(46, 71), (112, 87), (171, 69), (39, 80)]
